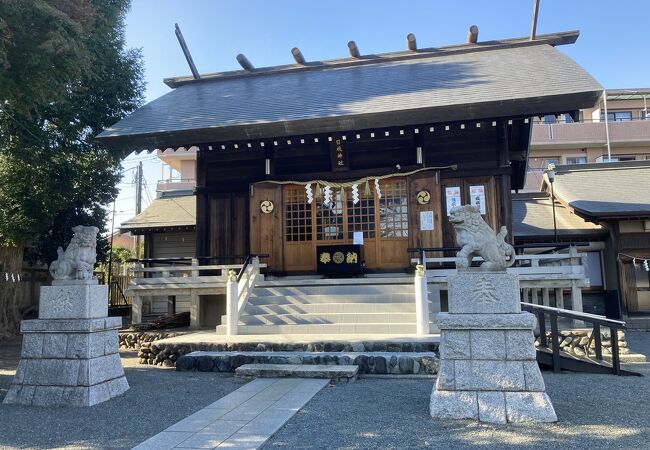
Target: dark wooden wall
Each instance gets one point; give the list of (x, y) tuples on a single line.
[(228, 222)]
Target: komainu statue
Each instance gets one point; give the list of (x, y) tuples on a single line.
[(477, 238), (78, 260)]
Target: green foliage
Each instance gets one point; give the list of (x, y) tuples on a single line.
[(64, 77), (121, 254)]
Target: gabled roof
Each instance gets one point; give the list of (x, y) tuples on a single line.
[(517, 78), (164, 213), (532, 219), (604, 190)]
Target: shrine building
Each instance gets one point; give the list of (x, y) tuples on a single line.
[(323, 164)]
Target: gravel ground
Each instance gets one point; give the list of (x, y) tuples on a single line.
[(594, 411), (157, 399)]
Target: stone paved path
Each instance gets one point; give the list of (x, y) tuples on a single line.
[(243, 419)]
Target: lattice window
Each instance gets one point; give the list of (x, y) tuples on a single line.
[(361, 217), (297, 215), (393, 210), (329, 219)]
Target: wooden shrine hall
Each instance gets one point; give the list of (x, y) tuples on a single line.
[(362, 155)]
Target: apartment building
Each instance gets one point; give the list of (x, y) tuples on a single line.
[(586, 137)]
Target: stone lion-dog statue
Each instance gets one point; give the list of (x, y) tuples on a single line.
[(78, 260), (477, 238)]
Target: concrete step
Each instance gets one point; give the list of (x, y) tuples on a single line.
[(311, 329), (324, 318), (263, 289), (393, 279), (375, 362), (336, 373), (329, 308), (302, 299)]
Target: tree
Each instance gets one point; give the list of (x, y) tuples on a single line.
[(65, 75)]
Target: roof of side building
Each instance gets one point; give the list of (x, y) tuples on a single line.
[(604, 190)]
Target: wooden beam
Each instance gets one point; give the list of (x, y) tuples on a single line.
[(245, 63), (354, 50), (297, 55), (186, 52), (533, 24), (472, 35), (411, 43)]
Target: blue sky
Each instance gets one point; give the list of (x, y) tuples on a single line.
[(614, 41)]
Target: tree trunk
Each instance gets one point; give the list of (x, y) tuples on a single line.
[(11, 262)]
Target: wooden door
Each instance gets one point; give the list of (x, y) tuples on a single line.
[(492, 203), (266, 226), (299, 252), (383, 221), (426, 183), (229, 225), (393, 224)]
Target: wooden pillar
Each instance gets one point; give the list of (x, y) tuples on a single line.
[(504, 181), (202, 205)]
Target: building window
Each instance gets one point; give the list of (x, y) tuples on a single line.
[(605, 159), (576, 160), (361, 217), (297, 215), (616, 116), (393, 210), (549, 118), (329, 219)]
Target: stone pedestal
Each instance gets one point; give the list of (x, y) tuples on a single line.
[(488, 371), (70, 354)]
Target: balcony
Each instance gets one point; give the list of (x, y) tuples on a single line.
[(175, 184), (590, 134)]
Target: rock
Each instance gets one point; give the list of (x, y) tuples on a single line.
[(566, 341), (578, 351), (584, 341), (204, 363), (405, 364), (185, 363), (429, 364), (380, 365), (221, 364), (362, 362), (168, 363), (358, 347)]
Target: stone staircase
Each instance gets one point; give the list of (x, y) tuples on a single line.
[(311, 306)]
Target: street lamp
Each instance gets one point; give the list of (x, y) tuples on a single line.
[(550, 173)]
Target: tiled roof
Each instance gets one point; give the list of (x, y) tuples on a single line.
[(604, 190), (532, 217), (433, 87), (167, 212)]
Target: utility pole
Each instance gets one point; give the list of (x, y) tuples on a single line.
[(138, 204)]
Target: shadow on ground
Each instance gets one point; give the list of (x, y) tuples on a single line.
[(157, 399), (594, 411)]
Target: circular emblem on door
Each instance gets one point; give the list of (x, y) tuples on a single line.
[(338, 257), (266, 206), (424, 197)]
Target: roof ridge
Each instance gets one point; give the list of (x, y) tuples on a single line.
[(553, 39)]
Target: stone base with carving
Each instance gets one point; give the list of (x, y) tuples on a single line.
[(70, 355), (488, 370)]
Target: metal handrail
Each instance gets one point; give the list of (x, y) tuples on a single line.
[(247, 261), (614, 325)]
